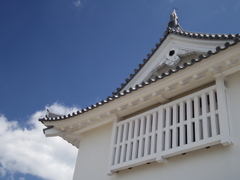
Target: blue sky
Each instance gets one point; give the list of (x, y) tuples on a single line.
[(69, 54)]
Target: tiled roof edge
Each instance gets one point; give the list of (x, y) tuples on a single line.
[(171, 71), (181, 33)]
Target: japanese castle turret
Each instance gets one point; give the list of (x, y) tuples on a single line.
[(176, 117)]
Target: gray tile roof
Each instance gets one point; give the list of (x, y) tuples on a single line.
[(169, 30)]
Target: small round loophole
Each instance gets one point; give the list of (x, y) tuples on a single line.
[(171, 53)]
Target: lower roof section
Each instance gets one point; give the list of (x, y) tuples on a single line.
[(197, 73)]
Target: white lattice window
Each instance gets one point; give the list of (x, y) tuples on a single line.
[(189, 123)]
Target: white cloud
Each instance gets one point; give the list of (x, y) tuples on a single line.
[(28, 151), (77, 3)]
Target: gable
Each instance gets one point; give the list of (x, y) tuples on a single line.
[(174, 51)]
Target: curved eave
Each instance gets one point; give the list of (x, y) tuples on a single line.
[(50, 131)]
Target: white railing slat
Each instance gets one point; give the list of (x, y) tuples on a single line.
[(140, 147), (181, 127), (153, 135), (196, 114), (189, 122), (117, 154), (134, 153), (174, 126), (213, 109), (123, 155), (204, 115), (160, 137), (146, 147), (129, 148), (167, 130)]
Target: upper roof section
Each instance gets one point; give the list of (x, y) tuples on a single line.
[(176, 47), (175, 51)]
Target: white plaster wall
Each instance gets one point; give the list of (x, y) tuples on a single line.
[(217, 162)]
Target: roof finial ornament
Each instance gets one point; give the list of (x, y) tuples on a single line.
[(173, 23)]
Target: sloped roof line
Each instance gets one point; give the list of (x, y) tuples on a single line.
[(177, 32), (170, 72)]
